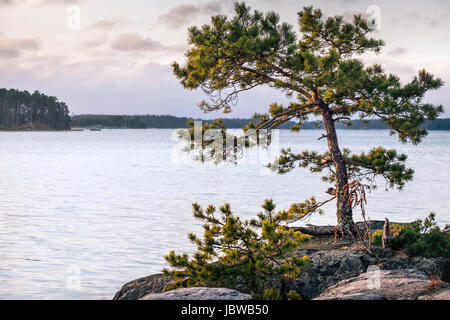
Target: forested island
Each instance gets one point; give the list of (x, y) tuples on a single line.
[(172, 122), (22, 110)]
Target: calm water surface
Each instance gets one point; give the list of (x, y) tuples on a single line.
[(110, 204)]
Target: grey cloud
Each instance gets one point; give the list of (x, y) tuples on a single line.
[(399, 51), (7, 2), (182, 14), (13, 47), (8, 52), (432, 22), (135, 42), (104, 24)]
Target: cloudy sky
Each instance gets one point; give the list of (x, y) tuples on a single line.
[(116, 60)]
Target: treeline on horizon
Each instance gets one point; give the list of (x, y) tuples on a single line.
[(173, 122), (22, 110)]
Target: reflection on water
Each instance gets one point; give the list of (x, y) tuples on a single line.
[(83, 212)]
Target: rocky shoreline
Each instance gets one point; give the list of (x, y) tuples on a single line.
[(337, 274)]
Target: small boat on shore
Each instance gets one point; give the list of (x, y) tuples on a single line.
[(95, 129)]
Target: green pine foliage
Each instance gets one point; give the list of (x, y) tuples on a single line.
[(378, 162), (321, 70), (232, 55), (252, 250), (423, 238)]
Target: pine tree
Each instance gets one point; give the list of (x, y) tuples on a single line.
[(234, 250), (322, 69)]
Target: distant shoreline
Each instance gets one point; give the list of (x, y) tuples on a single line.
[(171, 122), (81, 129), (149, 128), (87, 122), (37, 130)]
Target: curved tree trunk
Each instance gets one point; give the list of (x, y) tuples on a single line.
[(344, 210)]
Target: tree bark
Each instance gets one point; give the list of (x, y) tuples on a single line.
[(386, 234), (344, 209), (330, 230), (316, 230)]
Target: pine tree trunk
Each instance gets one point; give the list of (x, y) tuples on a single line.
[(344, 210)]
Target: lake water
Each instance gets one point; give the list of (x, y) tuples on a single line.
[(81, 213)]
